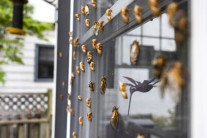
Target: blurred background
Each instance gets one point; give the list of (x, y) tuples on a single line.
[(27, 41)]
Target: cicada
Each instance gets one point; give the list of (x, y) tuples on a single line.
[(94, 3), (158, 66), (79, 98), (124, 15), (140, 136), (72, 112), (134, 52), (91, 85), (82, 67), (123, 91), (86, 9), (88, 102), (84, 49), (108, 14), (87, 22), (154, 7), (74, 134), (102, 85), (100, 25), (99, 48), (83, 10), (70, 34), (68, 108), (80, 119), (95, 28), (114, 117), (78, 70), (74, 54), (174, 79), (94, 42), (76, 42), (89, 116), (138, 14), (90, 54), (89, 60), (69, 96), (92, 65), (77, 16), (72, 78)]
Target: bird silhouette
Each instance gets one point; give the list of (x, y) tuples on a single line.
[(137, 86)]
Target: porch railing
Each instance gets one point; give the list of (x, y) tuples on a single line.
[(25, 115)]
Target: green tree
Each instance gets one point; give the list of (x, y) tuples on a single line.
[(10, 48)]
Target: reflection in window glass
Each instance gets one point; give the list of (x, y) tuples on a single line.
[(152, 42), (136, 31), (168, 45), (151, 113), (166, 30), (152, 102), (152, 28)]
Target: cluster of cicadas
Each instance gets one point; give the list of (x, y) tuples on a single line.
[(177, 17), (114, 117), (172, 76)]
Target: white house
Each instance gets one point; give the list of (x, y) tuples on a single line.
[(25, 78)]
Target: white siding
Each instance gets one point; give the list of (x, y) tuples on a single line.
[(20, 78)]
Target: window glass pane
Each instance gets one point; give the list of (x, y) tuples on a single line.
[(46, 54), (152, 102), (159, 105), (167, 30), (136, 31), (152, 28), (168, 45), (45, 62), (152, 42), (149, 111)]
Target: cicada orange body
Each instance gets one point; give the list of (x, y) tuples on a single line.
[(114, 117)]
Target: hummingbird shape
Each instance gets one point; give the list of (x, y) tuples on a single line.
[(137, 86)]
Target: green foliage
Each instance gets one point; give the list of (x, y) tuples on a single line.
[(5, 13), (33, 26), (10, 48), (36, 27)]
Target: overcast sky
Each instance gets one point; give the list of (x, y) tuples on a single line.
[(43, 11)]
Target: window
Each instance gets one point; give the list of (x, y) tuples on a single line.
[(151, 114), (44, 62)]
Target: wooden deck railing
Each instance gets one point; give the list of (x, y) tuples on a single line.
[(29, 122)]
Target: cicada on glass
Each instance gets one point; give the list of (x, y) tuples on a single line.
[(114, 117), (134, 52), (80, 120), (91, 85), (89, 116), (102, 85)]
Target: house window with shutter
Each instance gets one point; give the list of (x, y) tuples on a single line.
[(44, 62)]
